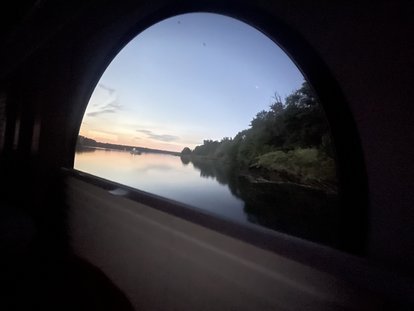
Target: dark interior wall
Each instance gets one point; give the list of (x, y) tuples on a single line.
[(51, 65), (369, 49)]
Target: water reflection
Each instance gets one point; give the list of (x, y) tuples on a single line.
[(222, 189), (164, 175), (81, 149), (299, 211), (185, 160)]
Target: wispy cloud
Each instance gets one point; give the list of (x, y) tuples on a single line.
[(159, 137), (99, 112), (107, 88), (114, 104), (109, 104)]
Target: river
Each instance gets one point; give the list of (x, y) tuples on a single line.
[(218, 189)]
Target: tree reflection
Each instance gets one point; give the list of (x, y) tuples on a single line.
[(185, 160), (300, 211), (85, 149)]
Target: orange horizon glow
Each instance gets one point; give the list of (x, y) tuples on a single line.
[(120, 139)]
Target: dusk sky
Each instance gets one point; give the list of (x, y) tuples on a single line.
[(188, 78)]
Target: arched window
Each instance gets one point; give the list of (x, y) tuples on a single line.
[(207, 111)]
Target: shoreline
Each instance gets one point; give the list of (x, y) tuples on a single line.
[(257, 175)]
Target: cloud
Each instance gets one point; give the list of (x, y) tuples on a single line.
[(114, 104), (159, 137), (107, 88), (145, 131), (109, 104), (99, 112)]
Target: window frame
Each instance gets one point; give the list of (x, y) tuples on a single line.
[(349, 157)]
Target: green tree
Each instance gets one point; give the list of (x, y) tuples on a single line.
[(186, 151), (297, 124)]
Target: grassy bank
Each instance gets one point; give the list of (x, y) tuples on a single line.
[(307, 166)]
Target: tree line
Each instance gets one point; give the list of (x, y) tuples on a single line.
[(291, 136), (85, 143)]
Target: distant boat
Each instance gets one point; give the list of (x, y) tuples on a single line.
[(135, 151)]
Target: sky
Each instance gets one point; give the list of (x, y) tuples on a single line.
[(185, 79)]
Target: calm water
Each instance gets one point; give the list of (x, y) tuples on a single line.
[(222, 190), (164, 175)]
